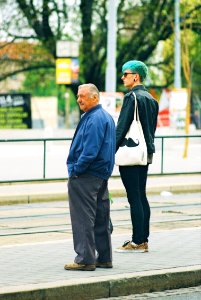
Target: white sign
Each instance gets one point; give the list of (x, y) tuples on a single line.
[(112, 103), (178, 103), (67, 49)]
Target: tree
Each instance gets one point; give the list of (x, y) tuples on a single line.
[(140, 28), (40, 83), (22, 56), (40, 23), (141, 25)]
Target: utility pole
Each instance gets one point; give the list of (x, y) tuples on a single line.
[(177, 46), (110, 80)]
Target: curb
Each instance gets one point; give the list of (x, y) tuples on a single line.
[(32, 198), (62, 196), (151, 190), (108, 286)]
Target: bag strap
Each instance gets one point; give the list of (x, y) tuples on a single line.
[(136, 113)]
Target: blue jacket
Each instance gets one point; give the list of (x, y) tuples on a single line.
[(93, 146)]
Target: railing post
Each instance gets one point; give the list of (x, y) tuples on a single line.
[(162, 154), (44, 159)]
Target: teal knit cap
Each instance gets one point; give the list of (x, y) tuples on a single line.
[(136, 66)]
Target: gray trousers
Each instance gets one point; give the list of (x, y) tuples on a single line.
[(90, 214)]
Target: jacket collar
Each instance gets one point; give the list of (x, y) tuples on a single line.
[(138, 87), (98, 106), (83, 117)]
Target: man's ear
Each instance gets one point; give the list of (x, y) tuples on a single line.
[(138, 77), (95, 99)]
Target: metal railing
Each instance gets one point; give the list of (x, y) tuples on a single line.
[(162, 152), (44, 142)]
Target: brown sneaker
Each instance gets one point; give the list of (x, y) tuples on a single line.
[(105, 265), (146, 247), (129, 247), (79, 267)]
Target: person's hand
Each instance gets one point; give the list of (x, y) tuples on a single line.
[(74, 176)]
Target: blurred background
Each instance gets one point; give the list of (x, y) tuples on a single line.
[(48, 48)]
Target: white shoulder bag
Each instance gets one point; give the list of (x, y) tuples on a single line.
[(133, 150)]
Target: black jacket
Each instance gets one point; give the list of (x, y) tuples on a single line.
[(148, 112)]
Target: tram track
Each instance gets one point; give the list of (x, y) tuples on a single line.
[(24, 220), (112, 210), (66, 227)]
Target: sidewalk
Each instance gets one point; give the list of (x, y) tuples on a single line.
[(35, 271), (52, 191)]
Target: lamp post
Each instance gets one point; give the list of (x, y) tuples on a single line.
[(177, 46), (110, 80)]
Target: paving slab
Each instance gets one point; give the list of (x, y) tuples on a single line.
[(35, 271)]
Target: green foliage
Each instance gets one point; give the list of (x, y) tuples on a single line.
[(195, 61), (61, 89), (40, 83), (190, 14), (73, 103)]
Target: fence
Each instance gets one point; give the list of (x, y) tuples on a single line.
[(21, 159)]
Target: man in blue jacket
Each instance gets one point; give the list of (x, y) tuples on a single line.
[(90, 163)]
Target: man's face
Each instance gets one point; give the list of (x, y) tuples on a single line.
[(85, 100)]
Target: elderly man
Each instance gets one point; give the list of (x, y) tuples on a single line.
[(90, 163)]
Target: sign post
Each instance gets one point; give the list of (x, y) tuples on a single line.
[(67, 63), (67, 69)]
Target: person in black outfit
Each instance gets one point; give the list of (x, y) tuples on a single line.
[(134, 178)]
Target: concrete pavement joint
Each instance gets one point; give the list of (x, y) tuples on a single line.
[(113, 235)]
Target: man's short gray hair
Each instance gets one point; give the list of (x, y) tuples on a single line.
[(93, 90)]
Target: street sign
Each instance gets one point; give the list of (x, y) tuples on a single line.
[(15, 111), (67, 49), (67, 70), (63, 71)]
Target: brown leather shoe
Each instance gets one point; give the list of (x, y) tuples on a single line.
[(79, 267), (105, 265)]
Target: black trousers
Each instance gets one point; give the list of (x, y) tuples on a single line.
[(90, 214), (134, 179)]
